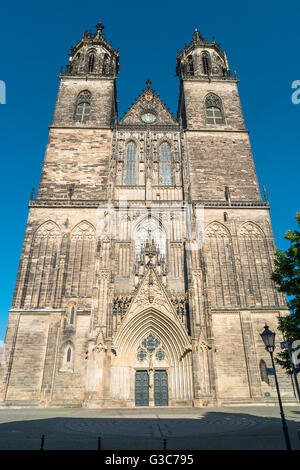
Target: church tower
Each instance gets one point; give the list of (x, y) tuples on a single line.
[(232, 272), (144, 277)]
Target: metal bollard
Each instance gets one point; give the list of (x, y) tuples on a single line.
[(165, 444), (42, 442), (99, 443)]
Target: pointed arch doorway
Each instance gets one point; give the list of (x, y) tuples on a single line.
[(161, 388), (160, 391), (153, 362), (151, 384), (141, 388)]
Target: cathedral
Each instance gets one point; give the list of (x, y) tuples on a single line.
[(144, 277)]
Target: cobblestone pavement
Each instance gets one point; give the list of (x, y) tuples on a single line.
[(246, 427)]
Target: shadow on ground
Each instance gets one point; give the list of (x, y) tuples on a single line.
[(204, 430)]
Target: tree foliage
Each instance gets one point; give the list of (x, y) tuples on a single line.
[(286, 276)]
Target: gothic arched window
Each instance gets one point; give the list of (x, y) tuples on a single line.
[(190, 65), (165, 164), (41, 264), (91, 62), (72, 316), (106, 65), (263, 372), (54, 261), (81, 261), (83, 107), (206, 64), (214, 110), (130, 163), (69, 355)]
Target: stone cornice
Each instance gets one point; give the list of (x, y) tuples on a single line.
[(90, 203), (148, 127), (47, 310), (85, 77), (205, 129), (234, 204), (265, 309), (211, 78), (53, 126)]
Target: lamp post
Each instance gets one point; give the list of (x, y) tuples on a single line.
[(268, 338)]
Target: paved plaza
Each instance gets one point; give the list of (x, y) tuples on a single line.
[(246, 427)]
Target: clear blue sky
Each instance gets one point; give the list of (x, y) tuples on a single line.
[(262, 43)]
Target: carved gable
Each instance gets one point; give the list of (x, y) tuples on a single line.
[(148, 109), (151, 316), (151, 293)]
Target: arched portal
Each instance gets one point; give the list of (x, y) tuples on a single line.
[(153, 350)]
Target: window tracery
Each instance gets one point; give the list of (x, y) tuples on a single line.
[(148, 346), (130, 164), (165, 164), (83, 107), (214, 110)]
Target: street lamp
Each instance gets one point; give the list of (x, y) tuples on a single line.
[(268, 338)]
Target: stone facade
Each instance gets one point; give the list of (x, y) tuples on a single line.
[(144, 278)]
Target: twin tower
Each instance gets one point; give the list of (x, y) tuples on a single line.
[(144, 277)]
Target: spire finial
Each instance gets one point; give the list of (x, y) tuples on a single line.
[(148, 82), (197, 36), (99, 27)]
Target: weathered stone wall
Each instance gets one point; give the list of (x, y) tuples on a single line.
[(259, 319), (79, 157), (69, 383), (239, 350), (219, 155), (234, 251), (230, 358), (28, 358), (239, 254), (219, 159), (102, 102), (195, 92)]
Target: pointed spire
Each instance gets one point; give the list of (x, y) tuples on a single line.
[(148, 82)]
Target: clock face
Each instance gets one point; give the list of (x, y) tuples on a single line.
[(148, 117)]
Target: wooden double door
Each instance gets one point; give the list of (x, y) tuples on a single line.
[(142, 388)]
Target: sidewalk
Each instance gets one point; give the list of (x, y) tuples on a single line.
[(145, 428)]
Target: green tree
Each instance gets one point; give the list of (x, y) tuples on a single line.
[(286, 276)]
